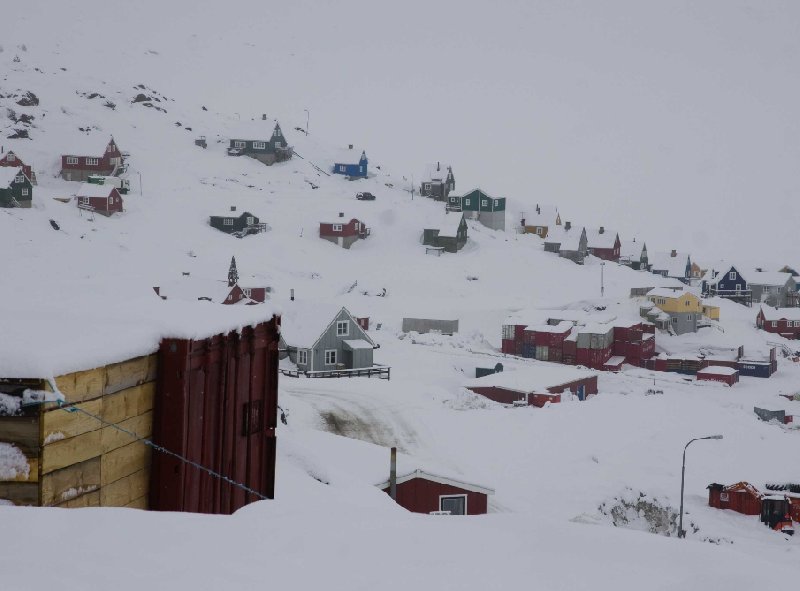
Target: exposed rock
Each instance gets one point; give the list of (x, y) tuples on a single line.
[(28, 100)]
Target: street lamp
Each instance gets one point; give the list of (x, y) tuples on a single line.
[(681, 531), (602, 284), (308, 115)]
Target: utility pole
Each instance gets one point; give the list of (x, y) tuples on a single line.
[(308, 116), (681, 531), (602, 284), (141, 191)]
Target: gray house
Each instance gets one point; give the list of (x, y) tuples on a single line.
[(778, 290), (319, 341), (450, 234), (437, 182), (568, 243), (268, 151)]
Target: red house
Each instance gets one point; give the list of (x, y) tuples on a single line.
[(343, 233), (535, 386), (603, 244), (102, 199), (718, 373), (11, 159), (782, 321), (423, 492), (101, 161), (741, 497)]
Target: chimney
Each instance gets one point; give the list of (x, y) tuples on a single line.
[(538, 209), (233, 208), (349, 146), (673, 254), (393, 474), (602, 230), (291, 294), (437, 166), (263, 116), (759, 269), (567, 225), (341, 214)]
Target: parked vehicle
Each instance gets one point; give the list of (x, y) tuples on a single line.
[(365, 196), (122, 185)]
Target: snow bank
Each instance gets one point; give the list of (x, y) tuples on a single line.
[(12, 462)]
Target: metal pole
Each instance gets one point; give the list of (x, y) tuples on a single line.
[(393, 474), (141, 192), (602, 283), (308, 116), (681, 531)]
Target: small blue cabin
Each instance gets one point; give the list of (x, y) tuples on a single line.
[(358, 170)]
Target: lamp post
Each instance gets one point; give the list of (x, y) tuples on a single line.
[(602, 284), (681, 531), (308, 116)]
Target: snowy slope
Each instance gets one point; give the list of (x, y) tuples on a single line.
[(83, 295)]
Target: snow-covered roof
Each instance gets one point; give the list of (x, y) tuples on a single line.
[(447, 224), (595, 239), (8, 174), (615, 360), (195, 288), (768, 278), (559, 328), (675, 266), (569, 239), (438, 479), (436, 171), (535, 379), (666, 292), (304, 322), (630, 249), (259, 130), (775, 314), (92, 190), (720, 370), (91, 144), (546, 216)]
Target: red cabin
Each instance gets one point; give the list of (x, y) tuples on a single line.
[(99, 198), (603, 244), (782, 321), (535, 386), (343, 233), (11, 159), (741, 497), (718, 373), (94, 160), (422, 492)]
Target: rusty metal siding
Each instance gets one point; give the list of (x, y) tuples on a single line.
[(217, 406)]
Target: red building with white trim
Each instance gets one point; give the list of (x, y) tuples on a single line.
[(101, 161), (102, 199), (423, 492), (535, 386), (343, 233), (718, 373), (782, 321), (11, 159), (603, 244)]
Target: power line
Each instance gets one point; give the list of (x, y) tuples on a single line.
[(164, 450)]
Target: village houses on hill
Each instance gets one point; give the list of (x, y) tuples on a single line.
[(11, 160), (239, 226), (102, 199), (568, 242), (448, 233)]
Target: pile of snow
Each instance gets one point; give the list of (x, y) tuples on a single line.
[(12, 462)]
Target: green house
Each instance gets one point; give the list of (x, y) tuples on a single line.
[(479, 205), (16, 189)]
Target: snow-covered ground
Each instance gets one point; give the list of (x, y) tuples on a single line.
[(82, 295)]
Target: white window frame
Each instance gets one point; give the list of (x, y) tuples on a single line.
[(538, 230), (484, 203), (83, 200), (247, 291), (331, 356), (11, 158), (278, 143), (259, 145), (774, 324), (302, 357), (342, 168), (732, 275), (337, 227), (427, 186), (497, 203), (238, 144), (467, 201), (466, 499), (110, 200), (227, 222), (342, 328), (250, 220), (19, 178), (724, 497), (25, 191), (92, 161), (72, 160)]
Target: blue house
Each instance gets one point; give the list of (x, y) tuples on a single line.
[(730, 285), (358, 170)]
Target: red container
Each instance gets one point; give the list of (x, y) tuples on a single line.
[(217, 406)]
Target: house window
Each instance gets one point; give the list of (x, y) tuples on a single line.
[(72, 160), (738, 287), (238, 144), (11, 158), (330, 356), (342, 168), (227, 222), (250, 220), (229, 298), (732, 275), (259, 145), (246, 291), (674, 320), (342, 328), (92, 161), (25, 192), (19, 178), (497, 203), (539, 231), (466, 201), (427, 186), (302, 357), (484, 202), (110, 147), (358, 225), (724, 497), (278, 144), (111, 201), (337, 227), (455, 504), (84, 200), (774, 324)]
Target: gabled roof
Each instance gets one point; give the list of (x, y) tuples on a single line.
[(723, 274), (8, 174), (439, 480), (304, 323), (630, 249), (774, 314), (675, 266), (195, 288), (530, 380), (571, 239), (436, 172), (93, 145), (448, 224), (597, 240), (666, 292), (768, 278), (259, 130), (92, 190), (235, 215)]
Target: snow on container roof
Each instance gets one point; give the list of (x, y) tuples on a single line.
[(719, 370), (768, 278), (534, 379), (775, 314), (561, 327), (73, 331), (8, 174), (92, 190)]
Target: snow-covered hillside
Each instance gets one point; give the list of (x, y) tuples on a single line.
[(563, 475)]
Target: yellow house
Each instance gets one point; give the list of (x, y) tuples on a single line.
[(541, 221), (711, 312), (676, 301)]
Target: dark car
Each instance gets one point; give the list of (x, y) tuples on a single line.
[(365, 196)]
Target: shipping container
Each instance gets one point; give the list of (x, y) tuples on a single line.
[(541, 353), (217, 406)]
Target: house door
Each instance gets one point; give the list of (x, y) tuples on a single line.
[(581, 392), (347, 358)]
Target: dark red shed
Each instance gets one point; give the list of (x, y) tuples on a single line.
[(535, 386), (741, 497), (423, 492), (216, 406), (102, 199), (718, 373)]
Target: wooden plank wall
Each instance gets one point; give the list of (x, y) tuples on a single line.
[(23, 433), (86, 464)]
